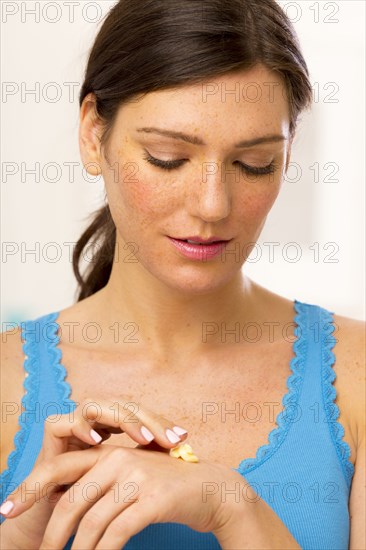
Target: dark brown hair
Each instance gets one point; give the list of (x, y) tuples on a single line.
[(149, 45)]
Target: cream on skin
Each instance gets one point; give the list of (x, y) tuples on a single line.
[(151, 284)]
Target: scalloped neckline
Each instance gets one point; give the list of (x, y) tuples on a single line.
[(294, 384), (276, 436)]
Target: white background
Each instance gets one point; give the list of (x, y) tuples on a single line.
[(313, 214)]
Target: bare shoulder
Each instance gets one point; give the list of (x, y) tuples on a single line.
[(350, 369), (11, 388)]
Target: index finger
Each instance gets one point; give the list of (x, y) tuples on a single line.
[(140, 423)]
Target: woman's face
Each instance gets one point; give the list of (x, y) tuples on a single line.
[(207, 193)]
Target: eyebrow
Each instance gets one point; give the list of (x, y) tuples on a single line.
[(198, 141)]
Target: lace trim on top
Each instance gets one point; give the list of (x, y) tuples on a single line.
[(59, 369), (294, 384), (329, 394), (31, 385), (283, 420)]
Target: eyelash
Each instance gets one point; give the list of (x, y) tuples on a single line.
[(245, 168)]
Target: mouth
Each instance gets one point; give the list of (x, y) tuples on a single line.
[(196, 250), (201, 242)]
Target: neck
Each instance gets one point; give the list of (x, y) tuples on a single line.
[(171, 318)]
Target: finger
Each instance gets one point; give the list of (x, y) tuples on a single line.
[(88, 495), (61, 432), (47, 478), (82, 498), (93, 524), (73, 425), (64, 432), (140, 423), (129, 522)]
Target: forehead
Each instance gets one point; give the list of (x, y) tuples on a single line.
[(251, 102)]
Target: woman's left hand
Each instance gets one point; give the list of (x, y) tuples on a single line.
[(117, 491)]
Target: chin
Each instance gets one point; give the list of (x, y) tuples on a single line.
[(190, 281)]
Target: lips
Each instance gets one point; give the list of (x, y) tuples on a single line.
[(199, 252), (199, 240), (200, 243)]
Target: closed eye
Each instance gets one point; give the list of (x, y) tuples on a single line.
[(245, 168)]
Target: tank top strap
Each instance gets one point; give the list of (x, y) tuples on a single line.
[(317, 396), (43, 365), (45, 394)]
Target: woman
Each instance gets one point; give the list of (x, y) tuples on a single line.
[(185, 160)]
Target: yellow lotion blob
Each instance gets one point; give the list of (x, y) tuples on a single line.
[(184, 451)]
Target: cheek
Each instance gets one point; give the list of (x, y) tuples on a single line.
[(257, 201), (139, 195), (140, 201)]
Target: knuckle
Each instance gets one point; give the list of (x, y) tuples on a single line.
[(141, 474), (89, 408), (118, 454), (115, 456), (159, 417), (154, 415), (91, 521), (50, 420), (47, 542), (86, 401), (164, 421), (64, 505), (127, 411), (118, 526), (49, 467)]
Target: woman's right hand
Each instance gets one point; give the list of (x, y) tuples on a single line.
[(74, 431)]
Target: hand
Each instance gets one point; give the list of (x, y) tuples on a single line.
[(72, 431), (68, 432), (128, 490)]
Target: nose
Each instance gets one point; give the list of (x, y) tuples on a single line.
[(210, 197)]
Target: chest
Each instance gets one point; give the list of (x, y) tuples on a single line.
[(228, 403)]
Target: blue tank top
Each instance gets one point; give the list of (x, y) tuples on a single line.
[(303, 472)]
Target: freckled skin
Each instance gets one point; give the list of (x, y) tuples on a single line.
[(147, 203), (170, 367)]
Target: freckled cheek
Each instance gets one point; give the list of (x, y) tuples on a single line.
[(135, 192), (256, 204)]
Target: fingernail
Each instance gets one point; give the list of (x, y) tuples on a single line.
[(179, 431), (172, 436), (147, 434), (94, 435), (6, 507)]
